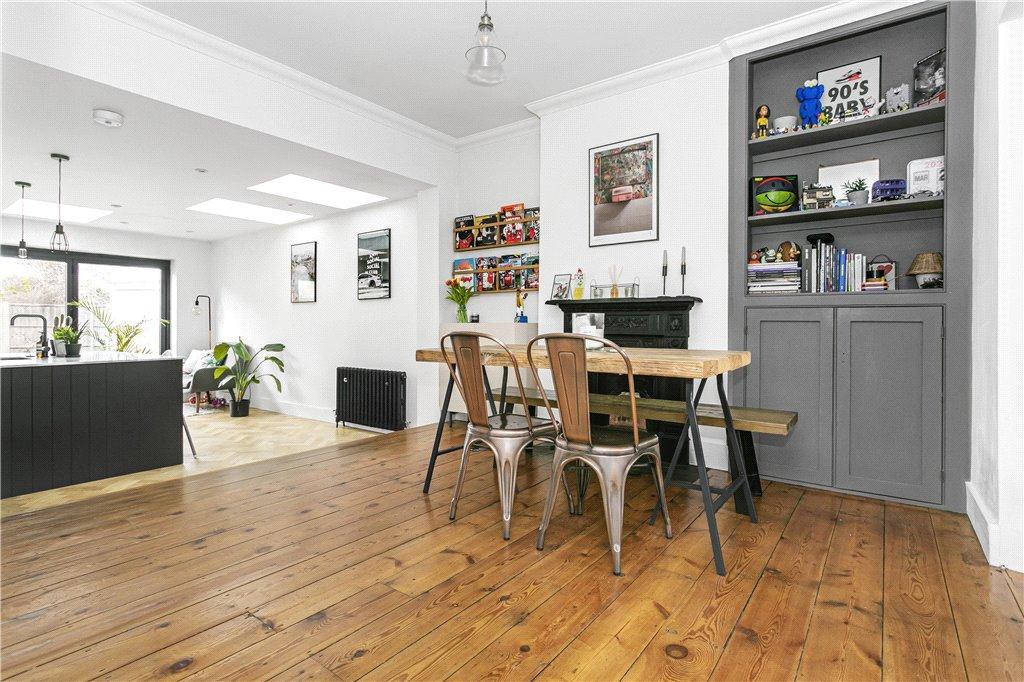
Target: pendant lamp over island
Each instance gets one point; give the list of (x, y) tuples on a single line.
[(485, 58), (59, 240), (22, 247)]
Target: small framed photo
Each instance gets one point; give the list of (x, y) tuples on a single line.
[(374, 265), (303, 273), (560, 287), (624, 191), (851, 89)]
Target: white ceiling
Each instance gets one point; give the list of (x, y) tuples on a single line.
[(148, 165), (408, 56)]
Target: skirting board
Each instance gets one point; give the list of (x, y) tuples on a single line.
[(984, 526), (320, 414)]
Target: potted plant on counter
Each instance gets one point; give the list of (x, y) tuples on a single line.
[(70, 337), (857, 191), (245, 369)]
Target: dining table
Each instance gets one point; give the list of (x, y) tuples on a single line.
[(690, 365)]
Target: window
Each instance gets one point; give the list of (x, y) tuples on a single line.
[(129, 290)]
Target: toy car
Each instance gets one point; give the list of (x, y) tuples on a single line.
[(888, 190)]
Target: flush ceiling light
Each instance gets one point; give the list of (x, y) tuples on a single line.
[(105, 117), (485, 58), (47, 210), (240, 209), (316, 192)]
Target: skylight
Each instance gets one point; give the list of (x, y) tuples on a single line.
[(47, 210), (240, 209), (316, 192)]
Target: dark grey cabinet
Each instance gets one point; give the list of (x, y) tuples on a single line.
[(791, 369), (888, 380)]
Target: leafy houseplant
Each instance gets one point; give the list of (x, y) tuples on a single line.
[(121, 336), (459, 294), (70, 337), (245, 370), (857, 191)]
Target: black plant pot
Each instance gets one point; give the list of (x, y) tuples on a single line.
[(240, 408), (72, 350)]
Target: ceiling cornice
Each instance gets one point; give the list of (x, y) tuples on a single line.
[(781, 31), (180, 33), (525, 127)]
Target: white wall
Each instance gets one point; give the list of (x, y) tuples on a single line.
[(492, 172), (190, 267), (337, 330), (994, 494), (693, 189)]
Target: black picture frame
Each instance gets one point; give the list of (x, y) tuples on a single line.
[(297, 267), (632, 236), (373, 265)]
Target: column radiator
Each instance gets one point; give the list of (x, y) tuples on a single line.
[(371, 397)]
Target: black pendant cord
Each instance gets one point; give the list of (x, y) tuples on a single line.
[(23, 214), (60, 180)]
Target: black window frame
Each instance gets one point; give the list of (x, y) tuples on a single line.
[(72, 260)]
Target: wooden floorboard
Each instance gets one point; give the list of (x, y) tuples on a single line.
[(332, 564)]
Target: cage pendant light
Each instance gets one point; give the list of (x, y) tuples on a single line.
[(22, 247), (485, 58), (59, 240)]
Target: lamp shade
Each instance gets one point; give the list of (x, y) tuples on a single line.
[(928, 263)]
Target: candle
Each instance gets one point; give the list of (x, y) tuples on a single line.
[(664, 258), (684, 255)]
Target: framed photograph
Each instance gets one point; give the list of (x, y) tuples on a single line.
[(851, 88), (624, 191), (930, 79), (560, 287), (374, 267), (303, 273)]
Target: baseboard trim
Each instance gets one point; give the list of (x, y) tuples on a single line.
[(985, 527), (320, 414)]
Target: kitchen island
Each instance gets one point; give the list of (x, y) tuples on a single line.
[(71, 420)]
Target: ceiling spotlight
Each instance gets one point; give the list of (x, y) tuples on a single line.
[(201, 170), (105, 117), (116, 206)]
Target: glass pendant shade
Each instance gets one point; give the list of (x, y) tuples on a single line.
[(485, 58)]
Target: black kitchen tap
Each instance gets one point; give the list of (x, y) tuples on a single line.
[(42, 347)]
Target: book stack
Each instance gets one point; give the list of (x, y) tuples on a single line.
[(830, 269), (773, 277)]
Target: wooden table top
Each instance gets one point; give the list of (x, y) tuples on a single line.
[(656, 362)]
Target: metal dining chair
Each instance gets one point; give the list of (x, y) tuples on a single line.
[(506, 435), (610, 452)]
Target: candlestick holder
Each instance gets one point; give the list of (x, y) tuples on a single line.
[(664, 280), (682, 274)]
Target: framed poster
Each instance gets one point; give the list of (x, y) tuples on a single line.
[(374, 267), (303, 273), (624, 191), (851, 88)]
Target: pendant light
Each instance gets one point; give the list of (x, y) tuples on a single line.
[(485, 58), (22, 248), (59, 240)]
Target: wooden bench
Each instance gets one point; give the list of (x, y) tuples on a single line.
[(746, 420)]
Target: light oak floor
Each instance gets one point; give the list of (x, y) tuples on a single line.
[(334, 565), (220, 441)]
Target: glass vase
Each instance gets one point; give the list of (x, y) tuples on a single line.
[(461, 315)]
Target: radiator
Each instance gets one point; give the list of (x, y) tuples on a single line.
[(371, 397)]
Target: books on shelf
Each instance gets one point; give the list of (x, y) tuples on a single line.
[(824, 268)]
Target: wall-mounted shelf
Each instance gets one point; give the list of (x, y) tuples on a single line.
[(497, 224), (882, 123), (500, 291), (873, 209), (498, 246)]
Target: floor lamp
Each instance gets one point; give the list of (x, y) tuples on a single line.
[(196, 310)]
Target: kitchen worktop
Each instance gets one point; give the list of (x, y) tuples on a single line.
[(87, 358)]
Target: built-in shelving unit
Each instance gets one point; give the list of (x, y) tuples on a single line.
[(876, 377)]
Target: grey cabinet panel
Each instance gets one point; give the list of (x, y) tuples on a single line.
[(889, 401), (791, 369)]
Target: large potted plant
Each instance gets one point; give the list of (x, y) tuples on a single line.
[(119, 336), (245, 369)]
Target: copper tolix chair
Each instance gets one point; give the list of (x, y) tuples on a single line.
[(506, 435), (610, 452)]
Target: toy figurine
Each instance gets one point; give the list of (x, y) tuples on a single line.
[(761, 120), (578, 282), (520, 312), (897, 99), (809, 97), (824, 119), (869, 107), (754, 257), (789, 252), (768, 255)]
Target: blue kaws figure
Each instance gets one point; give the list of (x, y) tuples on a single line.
[(809, 97)]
